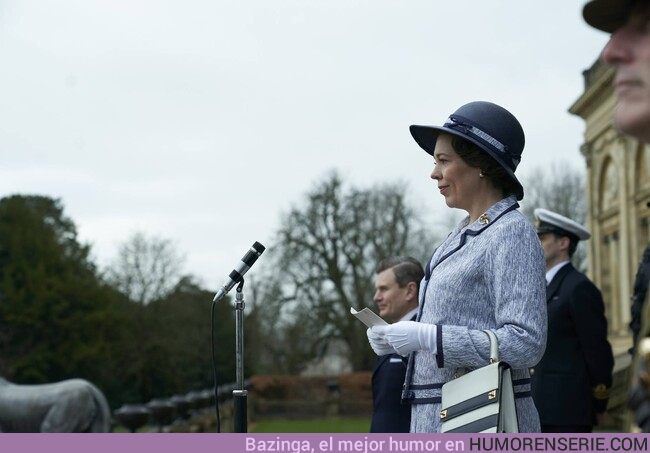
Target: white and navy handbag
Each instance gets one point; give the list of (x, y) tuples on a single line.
[(482, 400)]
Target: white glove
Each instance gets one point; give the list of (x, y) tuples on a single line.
[(379, 344), (408, 336)]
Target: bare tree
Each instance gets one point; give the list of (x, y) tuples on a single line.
[(559, 188), (328, 250), (146, 268)]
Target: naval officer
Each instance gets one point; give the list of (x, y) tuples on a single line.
[(571, 383)]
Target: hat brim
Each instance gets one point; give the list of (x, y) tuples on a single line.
[(607, 15), (426, 137), (561, 232)]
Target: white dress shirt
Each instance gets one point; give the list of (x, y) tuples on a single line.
[(554, 270)]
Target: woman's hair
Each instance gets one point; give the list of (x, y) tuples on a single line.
[(475, 157)]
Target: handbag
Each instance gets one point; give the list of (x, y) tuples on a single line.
[(482, 400)]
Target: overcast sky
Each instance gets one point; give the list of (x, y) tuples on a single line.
[(202, 121)]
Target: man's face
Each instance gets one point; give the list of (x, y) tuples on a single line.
[(552, 249), (393, 302), (628, 51)]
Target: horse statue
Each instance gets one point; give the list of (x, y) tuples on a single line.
[(70, 406)]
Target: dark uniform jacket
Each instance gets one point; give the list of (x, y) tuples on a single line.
[(389, 415), (571, 383)]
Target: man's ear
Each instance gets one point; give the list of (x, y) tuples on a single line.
[(412, 290), (565, 243)]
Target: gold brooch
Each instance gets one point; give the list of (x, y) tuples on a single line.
[(484, 219)]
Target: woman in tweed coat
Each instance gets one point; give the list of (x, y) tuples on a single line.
[(487, 274)]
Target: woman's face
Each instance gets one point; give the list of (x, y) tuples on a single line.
[(457, 181)]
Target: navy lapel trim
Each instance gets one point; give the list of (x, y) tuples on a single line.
[(474, 230)]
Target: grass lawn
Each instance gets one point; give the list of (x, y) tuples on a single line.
[(321, 425)]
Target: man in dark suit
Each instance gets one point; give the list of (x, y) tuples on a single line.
[(397, 284), (570, 385)]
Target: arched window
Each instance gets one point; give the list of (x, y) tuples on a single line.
[(609, 187)]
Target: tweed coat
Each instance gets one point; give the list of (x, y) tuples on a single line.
[(485, 275), (578, 357)]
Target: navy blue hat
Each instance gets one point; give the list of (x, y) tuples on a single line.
[(607, 15), (489, 126)]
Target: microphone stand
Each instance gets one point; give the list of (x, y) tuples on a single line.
[(240, 394)]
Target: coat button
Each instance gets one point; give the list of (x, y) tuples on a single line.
[(410, 396)]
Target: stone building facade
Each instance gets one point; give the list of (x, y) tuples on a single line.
[(618, 190)]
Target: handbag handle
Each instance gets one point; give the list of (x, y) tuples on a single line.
[(494, 353), (494, 346)]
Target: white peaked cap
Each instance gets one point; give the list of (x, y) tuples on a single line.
[(552, 222)]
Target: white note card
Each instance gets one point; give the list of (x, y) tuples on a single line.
[(368, 317)]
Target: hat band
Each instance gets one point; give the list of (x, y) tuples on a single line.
[(545, 227), (469, 129)]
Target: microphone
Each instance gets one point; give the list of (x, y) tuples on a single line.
[(237, 274)]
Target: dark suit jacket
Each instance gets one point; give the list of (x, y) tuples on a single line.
[(388, 414), (578, 357)]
